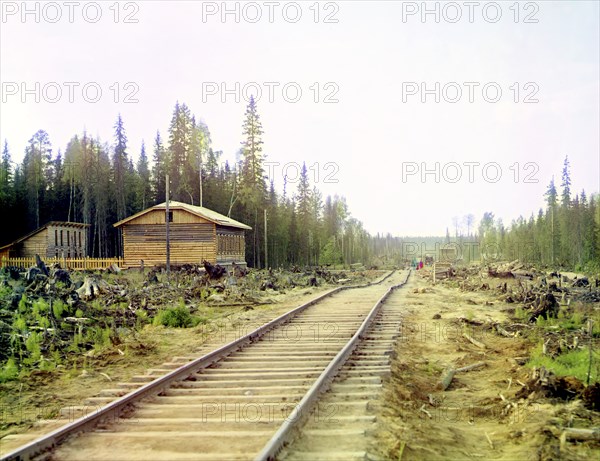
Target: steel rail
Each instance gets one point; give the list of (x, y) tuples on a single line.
[(112, 410), (296, 419)]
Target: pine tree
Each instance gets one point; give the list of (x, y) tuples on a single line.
[(7, 193), (38, 156), (193, 175), (293, 249), (252, 193), (58, 192), (180, 149), (143, 189), (20, 214), (469, 221), (303, 207), (71, 175), (589, 230), (102, 215), (552, 219), (159, 170), (566, 222), (120, 169), (6, 179), (316, 236), (274, 237), (253, 183), (216, 183), (487, 236), (541, 237), (86, 177), (566, 184)]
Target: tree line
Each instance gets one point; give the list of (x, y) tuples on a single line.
[(565, 234), (97, 183)]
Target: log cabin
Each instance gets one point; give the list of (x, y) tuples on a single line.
[(195, 234), (56, 239)]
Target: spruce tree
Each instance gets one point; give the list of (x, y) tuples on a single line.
[(120, 169)]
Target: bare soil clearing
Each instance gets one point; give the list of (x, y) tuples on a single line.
[(479, 416)]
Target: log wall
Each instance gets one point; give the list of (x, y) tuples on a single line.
[(37, 243), (190, 243), (231, 245), (66, 241), (179, 217)]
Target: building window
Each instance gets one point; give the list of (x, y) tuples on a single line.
[(61, 238), (55, 237), (80, 238), (170, 216), (68, 238)]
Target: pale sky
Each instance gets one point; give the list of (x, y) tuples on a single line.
[(376, 135)]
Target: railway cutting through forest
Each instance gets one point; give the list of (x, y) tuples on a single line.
[(299, 385)]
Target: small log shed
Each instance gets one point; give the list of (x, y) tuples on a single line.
[(56, 239), (195, 234)]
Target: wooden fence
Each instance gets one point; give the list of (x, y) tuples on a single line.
[(69, 263)]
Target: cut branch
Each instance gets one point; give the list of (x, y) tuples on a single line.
[(474, 341), (449, 373)]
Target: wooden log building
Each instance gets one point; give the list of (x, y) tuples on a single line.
[(56, 239), (195, 234), (448, 254)]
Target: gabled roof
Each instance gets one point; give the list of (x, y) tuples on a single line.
[(40, 229), (202, 212)]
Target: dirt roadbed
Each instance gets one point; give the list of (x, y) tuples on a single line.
[(483, 413)]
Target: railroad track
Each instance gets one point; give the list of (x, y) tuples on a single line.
[(338, 428), (251, 398)]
